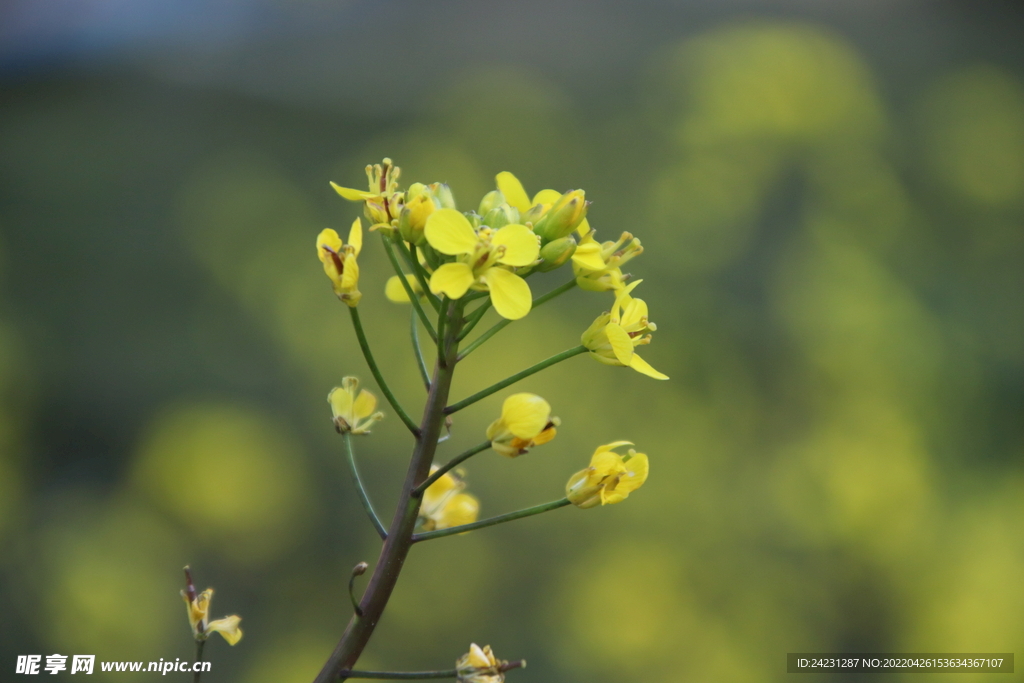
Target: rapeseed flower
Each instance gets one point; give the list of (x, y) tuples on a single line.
[(598, 266), (525, 422), (444, 504), (609, 479), (198, 608), (382, 203), (484, 261), (354, 411), (340, 261), (612, 337), (479, 665)]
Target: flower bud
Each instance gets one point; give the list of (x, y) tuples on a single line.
[(500, 216), (414, 217), (563, 216), (556, 253), (442, 195), (492, 199)]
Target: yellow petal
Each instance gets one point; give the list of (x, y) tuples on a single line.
[(452, 279), (622, 344), (394, 290), (355, 236), (227, 627), (547, 197), (327, 238), (521, 245), (606, 463), (353, 195), (509, 293), (460, 509), (612, 446), (449, 232), (525, 415), (340, 400), (636, 472), (588, 256), (513, 190), (477, 658), (633, 313), (583, 228), (350, 274), (643, 367), (364, 405)]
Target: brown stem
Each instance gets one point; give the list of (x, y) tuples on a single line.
[(399, 540)]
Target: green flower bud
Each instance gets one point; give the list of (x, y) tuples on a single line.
[(500, 216), (563, 216), (556, 253), (474, 219), (443, 196), (491, 200)]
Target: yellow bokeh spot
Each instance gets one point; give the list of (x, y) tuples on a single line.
[(230, 474)]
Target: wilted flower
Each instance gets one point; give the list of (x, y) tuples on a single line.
[(609, 479), (198, 607), (354, 410), (340, 261), (479, 666)]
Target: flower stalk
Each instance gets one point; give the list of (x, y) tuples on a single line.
[(420, 675), (368, 355), (491, 521)]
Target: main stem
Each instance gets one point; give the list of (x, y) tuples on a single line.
[(399, 541)]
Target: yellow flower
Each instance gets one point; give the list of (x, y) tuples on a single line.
[(612, 337), (444, 505), (481, 255), (419, 204), (340, 261), (383, 202), (479, 665), (598, 266), (551, 214), (609, 479), (395, 292), (198, 608), (354, 410), (516, 196), (525, 422)]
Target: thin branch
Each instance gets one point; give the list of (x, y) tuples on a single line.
[(413, 298), (454, 462), (368, 355), (557, 358), (364, 497), (419, 272), (502, 324), (444, 673), (414, 334), (200, 644), (475, 317), (491, 521)]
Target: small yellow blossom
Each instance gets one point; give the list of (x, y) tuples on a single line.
[(612, 337), (598, 266), (444, 504), (525, 422), (609, 479), (383, 202), (516, 196), (484, 261), (198, 608), (479, 665), (551, 214), (419, 204), (354, 411), (340, 261)]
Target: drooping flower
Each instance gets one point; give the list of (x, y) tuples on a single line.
[(444, 504), (484, 261), (479, 665), (525, 422), (340, 261), (354, 411), (612, 337), (198, 608), (609, 479)]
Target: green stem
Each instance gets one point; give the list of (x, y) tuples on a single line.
[(414, 333), (557, 358), (454, 462), (491, 521), (396, 548), (444, 673), (364, 498), (474, 318), (200, 644), (413, 298), (368, 355), (417, 270), (499, 326), (445, 310)]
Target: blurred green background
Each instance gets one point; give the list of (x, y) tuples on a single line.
[(831, 199)]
